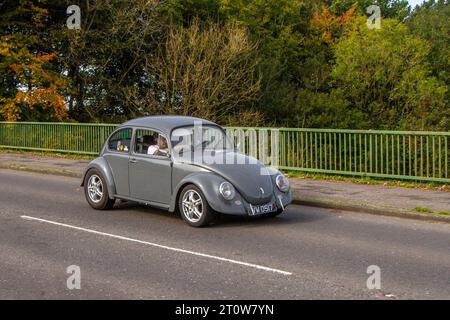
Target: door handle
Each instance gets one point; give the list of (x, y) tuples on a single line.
[(133, 160)]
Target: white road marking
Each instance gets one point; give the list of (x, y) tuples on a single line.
[(251, 265)]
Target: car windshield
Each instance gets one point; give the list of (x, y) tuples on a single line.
[(211, 138)]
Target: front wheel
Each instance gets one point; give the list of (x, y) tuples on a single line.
[(96, 191), (194, 208)]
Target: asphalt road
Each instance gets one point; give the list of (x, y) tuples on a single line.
[(134, 252)]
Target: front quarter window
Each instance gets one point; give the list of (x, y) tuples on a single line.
[(120, 141)]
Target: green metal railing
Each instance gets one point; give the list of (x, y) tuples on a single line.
[(420, 156), (404, 155), (76, 138)]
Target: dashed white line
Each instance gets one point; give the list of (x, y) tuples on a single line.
[(199, 254)]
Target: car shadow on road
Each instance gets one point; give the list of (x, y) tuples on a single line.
[(133, 207), (292, 216), (289, 217)]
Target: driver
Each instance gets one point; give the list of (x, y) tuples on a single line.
[(148, 141), (160, 149)]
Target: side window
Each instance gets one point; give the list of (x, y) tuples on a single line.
[(121, 141), (151, 143)]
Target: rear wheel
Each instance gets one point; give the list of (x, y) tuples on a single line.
[(96, 191), (194, 208)]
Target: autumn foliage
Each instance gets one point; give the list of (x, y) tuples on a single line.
[(37, 87), (329, 24)]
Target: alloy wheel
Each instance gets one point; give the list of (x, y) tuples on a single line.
[(95, 188), (192, 206)]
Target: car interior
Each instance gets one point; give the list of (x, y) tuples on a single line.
[(120, 141), (146, 139)]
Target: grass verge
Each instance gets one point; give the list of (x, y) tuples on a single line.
[(427, 210), (58, 172), (48, 154), (423, 210), (367, 180)]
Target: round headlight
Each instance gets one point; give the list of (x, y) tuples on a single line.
[(282, 183), (227, 190)]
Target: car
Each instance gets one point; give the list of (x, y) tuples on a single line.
[(183, 164)]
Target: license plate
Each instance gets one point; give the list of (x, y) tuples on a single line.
[(265, 208)]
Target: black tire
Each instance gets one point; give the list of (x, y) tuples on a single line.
[(98, 202), (207, 213)]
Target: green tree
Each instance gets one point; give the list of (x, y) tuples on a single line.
[(182, 12), (431, 21), (392, 9), (206, 70), (314, 105), (385, 76), (279, 27)]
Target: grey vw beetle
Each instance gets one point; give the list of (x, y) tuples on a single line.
[(185, 164)]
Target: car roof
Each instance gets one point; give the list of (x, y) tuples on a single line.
[(166, 123)]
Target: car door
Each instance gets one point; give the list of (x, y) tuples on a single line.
[(150, 174), (118, 156)]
